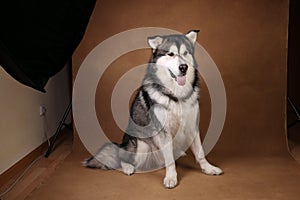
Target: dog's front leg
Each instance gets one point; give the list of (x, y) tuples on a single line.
[(164, 142), (206, 167)]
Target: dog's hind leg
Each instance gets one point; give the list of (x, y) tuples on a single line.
[(206, 167), (127, 168), (106, 158)]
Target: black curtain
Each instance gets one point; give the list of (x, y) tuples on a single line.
[(38, 37)]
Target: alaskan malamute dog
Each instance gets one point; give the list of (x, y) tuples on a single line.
[(164, 116)]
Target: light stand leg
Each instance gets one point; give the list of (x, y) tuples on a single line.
[(295, 111), (59, 128)]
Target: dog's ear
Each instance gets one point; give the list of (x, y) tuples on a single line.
[(192, 35), (155, 41)]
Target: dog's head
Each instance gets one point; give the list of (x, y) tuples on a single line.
[(173, 56)]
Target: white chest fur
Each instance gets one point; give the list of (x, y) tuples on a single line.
[(177, 116)]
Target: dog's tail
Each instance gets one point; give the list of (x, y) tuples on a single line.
[(106, 158)]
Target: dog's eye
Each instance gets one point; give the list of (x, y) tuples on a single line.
[(185, 53), (171, 54)]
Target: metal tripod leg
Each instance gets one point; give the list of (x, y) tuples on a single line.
[(58, 130), (295, 111)]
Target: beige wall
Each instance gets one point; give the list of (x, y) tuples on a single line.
[(22, 129)]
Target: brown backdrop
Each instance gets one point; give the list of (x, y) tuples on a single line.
[(248, 42), (246, 39)]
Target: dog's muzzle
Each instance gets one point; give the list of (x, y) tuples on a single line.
[(180, 79)]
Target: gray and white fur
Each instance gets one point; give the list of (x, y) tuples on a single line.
[(164, 116)]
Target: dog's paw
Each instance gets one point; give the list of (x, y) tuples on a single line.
[(128, 169), (211, 170), (170, 182)]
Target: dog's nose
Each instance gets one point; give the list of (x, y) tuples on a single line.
[(183, 68)]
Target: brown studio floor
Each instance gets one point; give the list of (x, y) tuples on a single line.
[(258, 176), (246, 177)]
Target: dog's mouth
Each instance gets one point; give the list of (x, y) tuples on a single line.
[(180, 79)]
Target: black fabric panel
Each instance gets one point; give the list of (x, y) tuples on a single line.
[(37, 37)]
